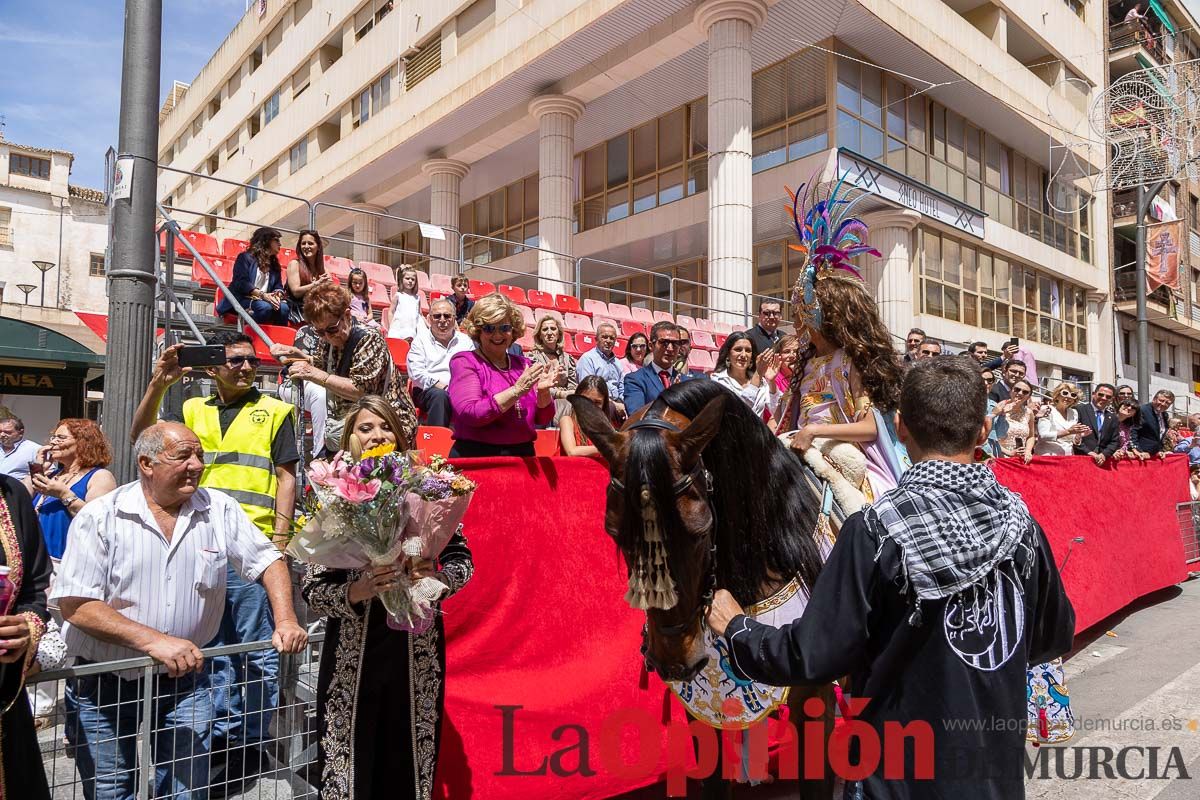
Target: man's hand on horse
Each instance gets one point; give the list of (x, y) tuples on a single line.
[(724, 608)]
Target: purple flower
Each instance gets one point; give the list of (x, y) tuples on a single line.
[(434, 486)]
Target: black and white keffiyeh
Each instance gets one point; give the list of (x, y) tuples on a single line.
[(954, 524)]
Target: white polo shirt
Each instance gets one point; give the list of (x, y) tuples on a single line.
[(116, 553), (429, 359)]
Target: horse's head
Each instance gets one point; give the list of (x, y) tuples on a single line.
[(659, 512)]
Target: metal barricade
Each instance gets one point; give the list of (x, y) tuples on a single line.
[(1188, 515), (100, 729)]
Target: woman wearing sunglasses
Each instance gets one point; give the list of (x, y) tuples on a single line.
[(636, 352), (1013, 419), (1060, 430), (499, 399)]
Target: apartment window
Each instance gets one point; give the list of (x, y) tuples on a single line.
[(474, 21), (1127, 349), (426, 61), (1195, 368), (256, 58), (652, 165), (968, 283), (789, 110), (1158, 348), (270, 109), (29, 166), (300, 80), (254, 124), (373, 99), (879, 117), (1195, 216), (1172, 359), (252, 190), (96, 265), (510, 213), (214, 162), (369, 16), (270, 175), (300, 10), (214, 106), (231, 207), (231, 147), (6, 237), (298, 156)]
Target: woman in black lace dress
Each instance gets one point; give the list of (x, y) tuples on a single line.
[(380, 691)]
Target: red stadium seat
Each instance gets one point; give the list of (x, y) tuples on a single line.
[(434, 441), (527, 315), (722, 327), (720, 340), (286, 256), (704, 324), (526, 341), (539, 299), (703, 340), (440, 282), (738, 327), (619, 348), (514, 293), (663, 316), (480, 288), (568, 304), (205, 244), (380, 273), (423, 281), (570, 347), (379, 295), (232, 248), (223, 268), (399, 350), (585, 341), (338, 268), (619, 311), (644, 315), (686, 322), (701, 360), (629, 328), (278, 334), (577, 323), (596, 308), (546, 444)]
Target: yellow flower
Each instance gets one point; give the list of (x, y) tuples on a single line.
[(381, 450)]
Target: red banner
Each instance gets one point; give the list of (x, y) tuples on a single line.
[(544, 686), (1162, 254)]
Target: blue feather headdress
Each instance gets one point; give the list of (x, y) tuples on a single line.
[(829, 238)]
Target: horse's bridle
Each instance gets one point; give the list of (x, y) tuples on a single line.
[(682, 674)]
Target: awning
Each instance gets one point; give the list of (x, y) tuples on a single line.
[(1161, 13), (24, 341)]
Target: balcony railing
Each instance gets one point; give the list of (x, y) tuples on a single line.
[(1125, 290), (1139, 32)]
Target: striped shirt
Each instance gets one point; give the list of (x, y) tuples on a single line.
[(116, 553)]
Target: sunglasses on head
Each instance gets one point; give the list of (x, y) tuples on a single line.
[(237, 361), (503, 327)]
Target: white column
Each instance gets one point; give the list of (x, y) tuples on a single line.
[(445, 183), (1100, 337), (729, 25), (890, 279), (366, 232), (556, 116)]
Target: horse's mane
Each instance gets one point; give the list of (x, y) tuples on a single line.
[(765, 513)]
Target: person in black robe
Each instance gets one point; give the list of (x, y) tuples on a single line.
[(378, 739), (21, 627), (934, 600)]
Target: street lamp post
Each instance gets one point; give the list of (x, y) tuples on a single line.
[(44, 267), (26, 288)]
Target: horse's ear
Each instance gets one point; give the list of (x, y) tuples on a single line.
[(692, 440), (597, 427)]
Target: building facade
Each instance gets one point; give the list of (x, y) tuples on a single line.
[(643, 146), (1166, 36)]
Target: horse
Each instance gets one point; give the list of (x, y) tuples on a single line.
[(702, 495)]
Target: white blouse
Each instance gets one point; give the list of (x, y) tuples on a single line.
[(757, 397), (1048, 430)]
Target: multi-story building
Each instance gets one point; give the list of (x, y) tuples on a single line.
[(53, 239), (653, 140), (1166, 36)]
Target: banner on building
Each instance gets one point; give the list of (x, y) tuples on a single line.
[(1162, 254)]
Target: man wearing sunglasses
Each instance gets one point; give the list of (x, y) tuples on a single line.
[(644, 385), (250, 454), (429, 362)]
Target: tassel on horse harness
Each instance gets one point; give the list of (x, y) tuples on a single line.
[(650, 581)]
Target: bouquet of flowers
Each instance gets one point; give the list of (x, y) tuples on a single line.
[(361, 513), (437, 501)]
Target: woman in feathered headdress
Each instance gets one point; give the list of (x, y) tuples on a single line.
[(847, 376)]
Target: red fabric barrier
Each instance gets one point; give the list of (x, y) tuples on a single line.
[(542, 628), (1125, 513), (542, 625)]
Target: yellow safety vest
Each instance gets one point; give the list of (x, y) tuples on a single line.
[(239, 462)]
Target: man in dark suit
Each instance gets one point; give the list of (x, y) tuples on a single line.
[(642, 386), (766, 333), (1096, 415), (1012, 372), (1152, 423)]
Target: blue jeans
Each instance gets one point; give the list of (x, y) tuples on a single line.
[(103, 713), (246, 685), (263, 312)]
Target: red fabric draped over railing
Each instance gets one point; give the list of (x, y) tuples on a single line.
[(542, 650)]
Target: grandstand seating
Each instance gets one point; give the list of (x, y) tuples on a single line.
[(232, 248), (441, 283), (514, 293), (479, 288), (538, 299), (286, 256)]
